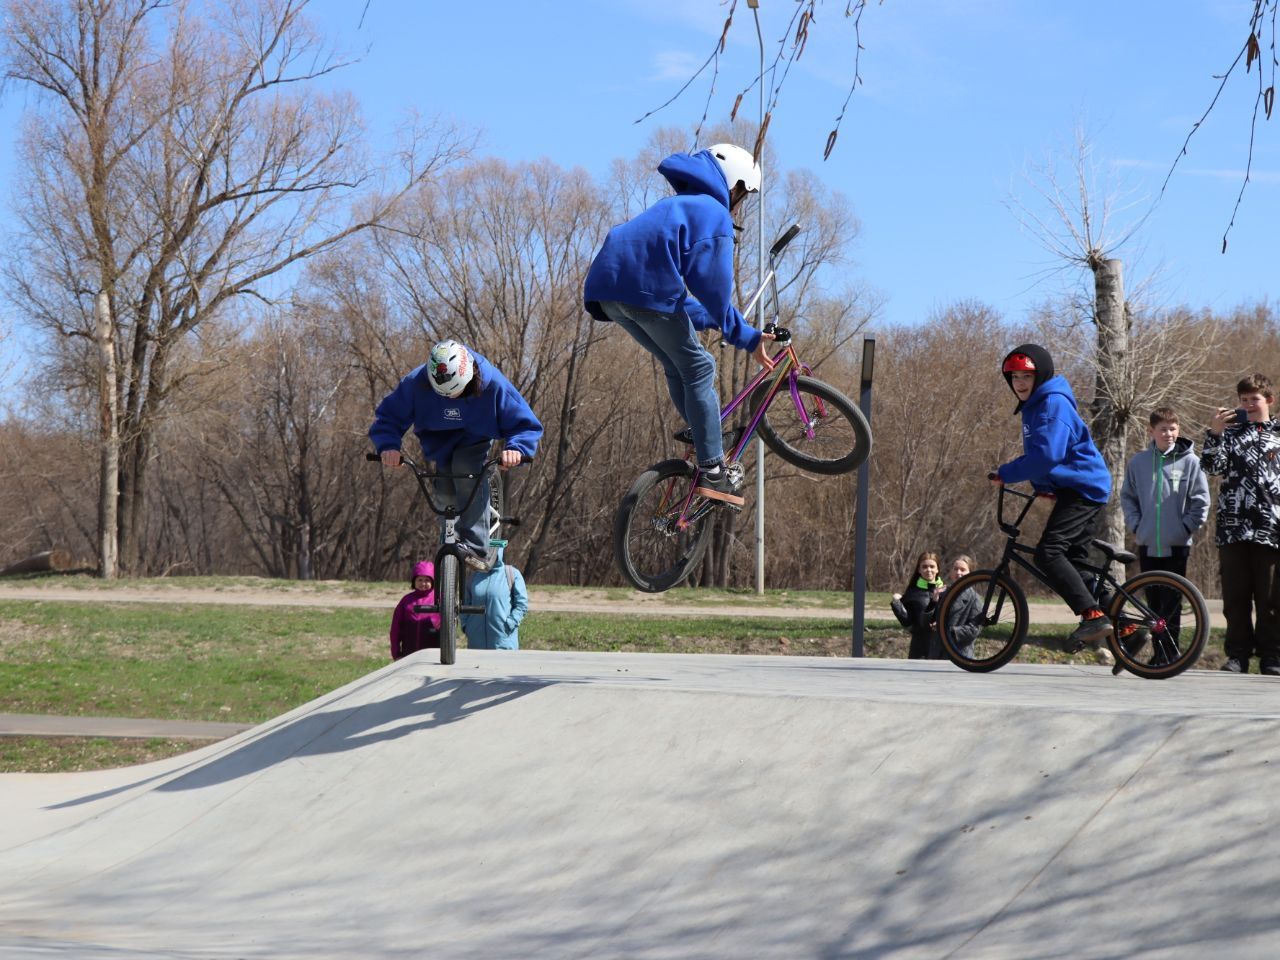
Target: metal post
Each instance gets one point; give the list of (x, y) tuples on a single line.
[(755, 12), (860, 521)]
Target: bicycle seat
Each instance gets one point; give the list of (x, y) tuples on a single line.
[(1112, 552)]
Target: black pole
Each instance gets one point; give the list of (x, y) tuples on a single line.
[(860, 521)]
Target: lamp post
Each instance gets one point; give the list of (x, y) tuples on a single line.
[(755, 12), (860, 521)]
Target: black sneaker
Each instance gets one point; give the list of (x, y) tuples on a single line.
[(1235, 665), (719, 486), (1090, 630), (1269, 666), (1133, 638)]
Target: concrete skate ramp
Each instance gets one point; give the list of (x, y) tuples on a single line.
[(641, 806)]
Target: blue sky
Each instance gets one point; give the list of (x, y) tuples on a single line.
[(960, 99)]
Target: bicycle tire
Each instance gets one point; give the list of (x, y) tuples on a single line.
[(497, 497), (842, 436), (448, 590), (999, 628), (1173, 644), (651, 554)]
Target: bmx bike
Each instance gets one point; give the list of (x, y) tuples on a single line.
[(661, 527), (449, 559), (1160, 620)]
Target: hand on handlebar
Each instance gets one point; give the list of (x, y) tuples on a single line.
[(510, 458), (391, 458), (995, 478), (759, 354)]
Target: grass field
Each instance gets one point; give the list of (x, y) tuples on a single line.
[(246, 664)]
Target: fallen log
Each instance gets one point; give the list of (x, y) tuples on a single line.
[(50, 561)]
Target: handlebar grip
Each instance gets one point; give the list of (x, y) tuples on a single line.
[(993, 475), (783, 240), (376, 457)]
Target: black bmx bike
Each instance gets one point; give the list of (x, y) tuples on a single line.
[(661, 528), (449, 559), (1160, 620)]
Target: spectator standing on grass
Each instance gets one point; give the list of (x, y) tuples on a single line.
[(915, 606), (1165, 499), (412, 631), (501, 591), (1242, 446), (965, 616)]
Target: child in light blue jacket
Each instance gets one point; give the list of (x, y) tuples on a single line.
[(501, 591)]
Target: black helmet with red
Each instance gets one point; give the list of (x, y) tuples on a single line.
[(1027, 357)]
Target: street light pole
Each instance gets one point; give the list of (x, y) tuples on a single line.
[(755, 12)]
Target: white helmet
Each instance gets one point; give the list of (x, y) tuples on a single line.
[(737, 164), (451, 368)]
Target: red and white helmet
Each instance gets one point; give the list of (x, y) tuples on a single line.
[(737, 164), (1018, 363), (451, 368)]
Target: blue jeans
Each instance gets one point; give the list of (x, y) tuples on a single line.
[(472, 527), (690, 370)]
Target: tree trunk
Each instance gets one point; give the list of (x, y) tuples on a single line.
[(109, 443), (51, 561), (1110, 409)]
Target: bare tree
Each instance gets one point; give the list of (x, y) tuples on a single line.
[(182, 160)]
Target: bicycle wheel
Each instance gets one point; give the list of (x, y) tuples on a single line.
[(496, 505), (651, 550), (448, 592), (982, 621), (1161, 624), (836, 438)]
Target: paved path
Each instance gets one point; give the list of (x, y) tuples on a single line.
[(34, 725), (637, 604), (562, 805)]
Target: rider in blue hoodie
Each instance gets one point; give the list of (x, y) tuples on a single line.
[(668, 273), (1059, 458), (457, 403)]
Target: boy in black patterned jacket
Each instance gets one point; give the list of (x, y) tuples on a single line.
[(1243, 448)]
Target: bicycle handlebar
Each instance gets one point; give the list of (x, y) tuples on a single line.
[(781, 243)]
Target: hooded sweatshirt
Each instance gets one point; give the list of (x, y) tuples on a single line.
[(443, 424), (412, 631), (681, 245), (502, 593), (1165, 497), (1057, 451)]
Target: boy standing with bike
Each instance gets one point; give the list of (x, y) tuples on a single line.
[(458, 403), (668, 273), (1058, 458)]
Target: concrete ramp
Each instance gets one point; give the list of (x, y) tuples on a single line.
[(640, 806)]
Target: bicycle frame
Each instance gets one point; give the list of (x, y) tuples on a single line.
[(1099, 578)]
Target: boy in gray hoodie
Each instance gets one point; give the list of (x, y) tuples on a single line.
[(1165, 498)]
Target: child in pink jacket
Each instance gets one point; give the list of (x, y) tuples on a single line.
[(411, 631)]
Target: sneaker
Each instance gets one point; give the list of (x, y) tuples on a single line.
[(719, 486), (1089, 631), (1269, 666), (1132, 638), (1235, 665), (474, 558)]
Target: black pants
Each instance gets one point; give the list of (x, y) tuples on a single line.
[(1167, 603), (1065, 544), (1249, 584)]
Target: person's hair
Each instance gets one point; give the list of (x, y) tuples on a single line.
[(927, 555), (1163, 415), (1256, 383), (963, 558)]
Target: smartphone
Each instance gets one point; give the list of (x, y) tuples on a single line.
[(1242, 416)]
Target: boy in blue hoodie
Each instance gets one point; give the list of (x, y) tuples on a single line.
[(457, 403), (668, 273), (1059, 458)]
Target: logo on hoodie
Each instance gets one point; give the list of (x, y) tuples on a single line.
[(452, 413)]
